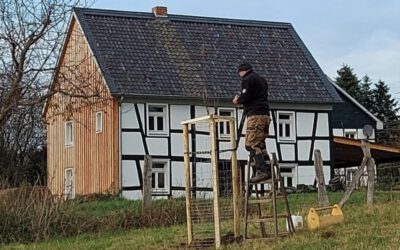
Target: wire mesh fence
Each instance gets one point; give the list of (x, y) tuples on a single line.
[(388, 176), (210, 198)]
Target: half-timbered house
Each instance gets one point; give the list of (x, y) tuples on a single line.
[(153, 70)]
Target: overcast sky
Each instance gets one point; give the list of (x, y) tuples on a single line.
[(365, 34)]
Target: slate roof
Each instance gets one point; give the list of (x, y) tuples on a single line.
[(182, 56)]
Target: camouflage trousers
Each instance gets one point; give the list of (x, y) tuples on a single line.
[(256, 133)]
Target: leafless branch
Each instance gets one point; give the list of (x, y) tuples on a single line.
[(31, 36)]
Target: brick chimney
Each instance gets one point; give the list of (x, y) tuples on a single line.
[(160, 11)]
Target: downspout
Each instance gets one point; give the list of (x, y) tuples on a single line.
[(120, 143)]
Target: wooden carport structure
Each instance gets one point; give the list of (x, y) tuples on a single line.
[(348, 152)]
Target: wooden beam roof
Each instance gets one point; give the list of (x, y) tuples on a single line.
[(348, 152)]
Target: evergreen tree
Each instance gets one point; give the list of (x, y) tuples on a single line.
[(366, 93), (385, 107), (349, 81)]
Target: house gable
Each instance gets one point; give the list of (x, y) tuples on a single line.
[(349, 115), (73, 113)]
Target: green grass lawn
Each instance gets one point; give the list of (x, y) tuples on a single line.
[(377, 227)]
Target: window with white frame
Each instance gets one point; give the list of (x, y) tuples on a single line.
[(99, 122), (157, 119), (287, 175), (159, 177), (69, 183), (350, 135), (69, 133), (223, 127), (286, 126)]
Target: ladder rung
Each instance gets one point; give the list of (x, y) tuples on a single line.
[(269, 181), (266, 162), (263, 199), (269, 237), (267, 218), (260, 200), (277, 216)]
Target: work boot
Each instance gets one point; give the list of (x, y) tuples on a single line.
[(265, 155), (260, 177), (263, 172)]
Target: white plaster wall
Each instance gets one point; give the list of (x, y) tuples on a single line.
[(132, 195), (128, 116), (327, 173), (306, 174), (271, 126), (225, 145), (203, 175), (141, 113), (132, 143), (287, 151), (177, 144), (338, 132), (323, 146), (242, 153), (322, 125), (305, 123), (203, 143), (129, 174), (272, 147), (178, 174), (303, 150), (240, 113), (202, 111), (179, 113), (157, 146)]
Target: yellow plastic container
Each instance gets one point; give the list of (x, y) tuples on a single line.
[(322, 217)]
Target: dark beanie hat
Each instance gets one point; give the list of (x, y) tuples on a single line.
[(244, 66)]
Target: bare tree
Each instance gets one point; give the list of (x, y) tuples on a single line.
[(31, 36)]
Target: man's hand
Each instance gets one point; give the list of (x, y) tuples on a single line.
[(235, 100)]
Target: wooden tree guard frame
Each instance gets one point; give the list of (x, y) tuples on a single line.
[(212, 120)]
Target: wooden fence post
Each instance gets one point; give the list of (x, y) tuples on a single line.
[(214, 166), (367, 160), (319, 175), (371, 181), (353, 184), (147, 192), (235, 184), (186, 152)]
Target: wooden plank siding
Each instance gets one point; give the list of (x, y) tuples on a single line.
[(93, 156)]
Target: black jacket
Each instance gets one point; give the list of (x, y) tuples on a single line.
[(254, 94)]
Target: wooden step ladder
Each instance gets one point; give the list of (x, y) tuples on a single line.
[(267, 218)]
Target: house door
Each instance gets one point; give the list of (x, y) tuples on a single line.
[(69, 183)]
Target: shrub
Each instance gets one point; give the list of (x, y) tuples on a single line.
[(31, 214), (26, 214)]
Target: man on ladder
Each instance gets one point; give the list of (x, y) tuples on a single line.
[(254, 98)]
